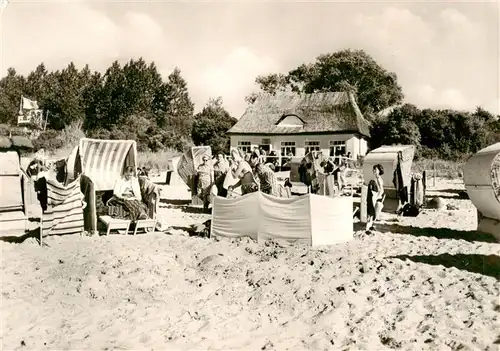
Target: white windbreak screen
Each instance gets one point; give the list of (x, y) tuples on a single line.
[(312, 219)]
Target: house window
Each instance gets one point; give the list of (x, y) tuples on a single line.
[(337, 148), (312, 146), (245, 146), (288, 148)]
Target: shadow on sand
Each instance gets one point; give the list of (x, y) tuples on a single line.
[(486, 265), (35, 233), (175, 202), (439, 233), (192, 231), (197, 210), (446, 196), (449, 194)]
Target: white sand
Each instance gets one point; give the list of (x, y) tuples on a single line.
[(174, 292)]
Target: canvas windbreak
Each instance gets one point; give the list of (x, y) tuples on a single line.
[(64, 213), (189, 162), (311, 219)]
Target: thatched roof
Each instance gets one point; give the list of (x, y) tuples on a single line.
[(335, 112)]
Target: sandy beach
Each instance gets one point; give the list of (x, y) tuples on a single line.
[(425, 283)]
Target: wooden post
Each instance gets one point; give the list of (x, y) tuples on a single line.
[(41, 229), (434, 173), (46, 119), (363, 215)]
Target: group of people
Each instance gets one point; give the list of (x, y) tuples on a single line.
[(250, 170), (253, 173)]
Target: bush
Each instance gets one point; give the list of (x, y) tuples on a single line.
[(444, 168), (6, 130), (49, 140), (156, 160)]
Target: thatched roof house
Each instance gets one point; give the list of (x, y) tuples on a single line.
[(334, 112), (298, 123)]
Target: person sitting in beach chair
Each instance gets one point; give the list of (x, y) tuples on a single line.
[(127, 194)]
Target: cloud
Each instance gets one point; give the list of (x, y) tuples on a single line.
[(74, 32), (456, 24), (233, 78), (445, 55), (493, 106), (395, 32), (427, 96), (141, 34)]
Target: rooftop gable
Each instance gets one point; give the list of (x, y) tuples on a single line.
[(290, 121), (333, 112)]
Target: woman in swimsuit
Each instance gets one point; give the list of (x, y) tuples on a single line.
[(375, 197), (240, 169)]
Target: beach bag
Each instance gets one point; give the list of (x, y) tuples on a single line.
[(410, 210)]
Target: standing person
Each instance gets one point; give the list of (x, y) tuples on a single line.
[(127, 193), (221, 167), (339, 175), (205, 181), (375, 197), (268, 181), (240, 169)]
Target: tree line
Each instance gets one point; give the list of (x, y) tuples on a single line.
[(436, 133), (125, 102), (133, 101)]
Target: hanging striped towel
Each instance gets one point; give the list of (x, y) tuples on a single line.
[(64, 214)]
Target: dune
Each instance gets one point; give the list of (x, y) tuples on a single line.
[(423, 283)]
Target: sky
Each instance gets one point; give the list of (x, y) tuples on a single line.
[(445, 54)]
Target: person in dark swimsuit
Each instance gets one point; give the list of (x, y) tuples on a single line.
[(375, 197)]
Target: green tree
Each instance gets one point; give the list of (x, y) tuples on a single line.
[(36, 84), (69, 97), (173, 106), (11, 89), (346, 70), (210, 126), (398, 127), (433, 126)]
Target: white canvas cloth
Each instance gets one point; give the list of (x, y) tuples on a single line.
[(311, 219)]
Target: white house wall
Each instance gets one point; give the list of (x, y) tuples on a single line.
[(354, 144)]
